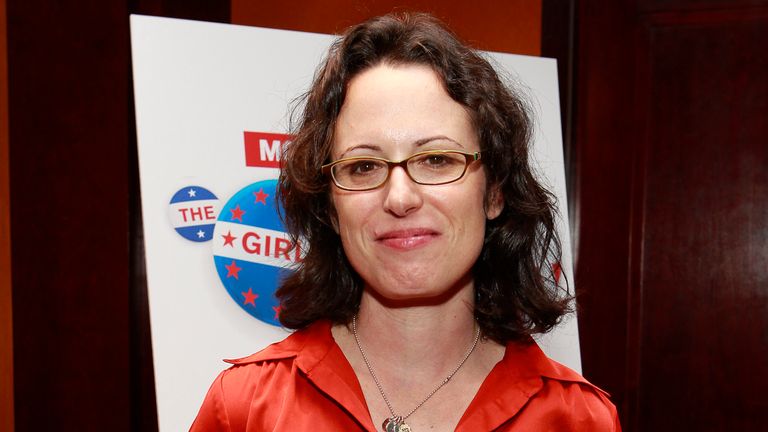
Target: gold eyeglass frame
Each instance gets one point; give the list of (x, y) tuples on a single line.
[(470, 157)]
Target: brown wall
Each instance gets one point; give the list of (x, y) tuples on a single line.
[(82, 356), (6, 317), (69, 146), (512, 26), (672, 196)]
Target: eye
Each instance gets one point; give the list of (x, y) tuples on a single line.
[(438, 160), (359, 168), (435, 160)]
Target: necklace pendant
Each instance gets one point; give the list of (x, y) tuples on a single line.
[(395, 424), (389, 425)]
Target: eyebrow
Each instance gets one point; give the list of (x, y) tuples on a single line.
[(423, 141), (358, 147), (417, 143)]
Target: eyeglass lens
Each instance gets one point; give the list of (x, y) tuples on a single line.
[(424, 168)]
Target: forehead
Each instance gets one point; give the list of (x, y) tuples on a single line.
[(393, 107)]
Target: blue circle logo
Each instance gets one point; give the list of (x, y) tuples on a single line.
[(251, 250), (193, 211)]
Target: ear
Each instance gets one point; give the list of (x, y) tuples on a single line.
[(494, 203)]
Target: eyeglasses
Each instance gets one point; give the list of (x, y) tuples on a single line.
[(434, 167)]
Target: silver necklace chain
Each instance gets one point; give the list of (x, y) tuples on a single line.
[(398, 418)]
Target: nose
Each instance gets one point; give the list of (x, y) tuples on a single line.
[(402, 194)]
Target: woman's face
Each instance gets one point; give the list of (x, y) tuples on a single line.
[(409, 241)]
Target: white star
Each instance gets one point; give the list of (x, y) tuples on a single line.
[(192, 193), (201, 234)]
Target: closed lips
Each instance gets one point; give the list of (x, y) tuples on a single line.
[(406, 238)]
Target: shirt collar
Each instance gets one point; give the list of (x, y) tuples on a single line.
[(321, 360), (507, 388)]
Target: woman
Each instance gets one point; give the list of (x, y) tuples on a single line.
[(430, 249)]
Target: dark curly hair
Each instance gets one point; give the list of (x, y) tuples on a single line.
[(516, 293)]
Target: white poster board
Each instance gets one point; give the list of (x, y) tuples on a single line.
[(212, 101)]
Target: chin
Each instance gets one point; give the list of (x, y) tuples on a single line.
[(412, 293)]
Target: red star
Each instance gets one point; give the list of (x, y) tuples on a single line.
[(237, 213), (557, 270), (233, 269), (250, 297), (261, 197), (229, 238), (277, 311)]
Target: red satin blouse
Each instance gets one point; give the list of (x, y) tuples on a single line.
[(305, 383)]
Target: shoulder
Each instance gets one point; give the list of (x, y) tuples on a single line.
[(269, 371), (566, 399), (577, 404), (276, 360), (302, 343)]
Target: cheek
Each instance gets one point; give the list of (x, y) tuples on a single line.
[(349, 216), (475, 226), (341, 210), (475, 198), (475, 216)]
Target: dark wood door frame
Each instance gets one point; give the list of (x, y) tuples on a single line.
[(670, 219)]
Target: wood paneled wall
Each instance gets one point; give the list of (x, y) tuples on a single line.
[(69, 145), (672, 202), (6, 311), (82, 358)]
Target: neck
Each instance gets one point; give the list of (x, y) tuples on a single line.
[(425, 337), (413, 346)]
